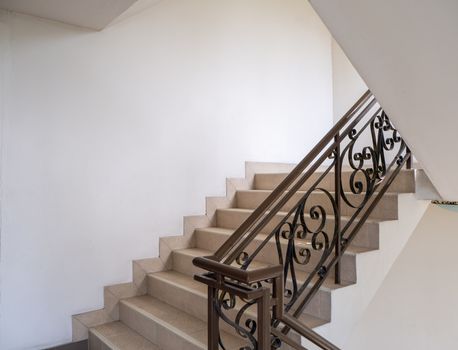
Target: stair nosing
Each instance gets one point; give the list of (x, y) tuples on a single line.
[(109, 342), (393, 194), (176, 284), (195, 291), (284, 213)]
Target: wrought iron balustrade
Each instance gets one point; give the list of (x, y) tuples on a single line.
[(360, 157)]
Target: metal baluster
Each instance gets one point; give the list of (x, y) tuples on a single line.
[(337, 187)]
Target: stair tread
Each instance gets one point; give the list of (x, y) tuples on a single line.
[(345, 170), (118, 336), (328, 284), (196, 252), (181, 280), (404, 182), (321, 193), (284, 213), (181, 323), (352, 250), (195, 287)]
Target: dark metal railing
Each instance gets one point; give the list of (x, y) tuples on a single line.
[(306, 235)]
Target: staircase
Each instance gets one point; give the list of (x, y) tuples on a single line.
[(171, 310), (173, 313)]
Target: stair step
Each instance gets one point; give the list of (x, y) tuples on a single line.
[(320, 306), (186, 294), (387, 208), (168, 327), (367, 237), (213, 237), (180, 291), (403, 183), (117, 336), (182, 263)]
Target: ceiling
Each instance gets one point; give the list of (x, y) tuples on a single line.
[(93, 14)]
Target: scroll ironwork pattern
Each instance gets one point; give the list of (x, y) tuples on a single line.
[(361, 156)]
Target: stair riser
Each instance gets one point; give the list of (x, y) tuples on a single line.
[(403, 183), (183, 263), (367, 237), (387, 208), (155, 331), (95, 343)]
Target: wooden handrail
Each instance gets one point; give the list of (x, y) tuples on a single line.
[(308, 333), (209, 263)]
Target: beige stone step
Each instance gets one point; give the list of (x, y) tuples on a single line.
[(404, 182), (387, 208), (184, 293), (169, 327), (319, 307), (211, 238), (117, 336), (182, 261), (367, 237)]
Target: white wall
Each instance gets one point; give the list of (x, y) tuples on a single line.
[(4, 61), (416, 306), (111, 137), (347, 86), (407, 53)]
